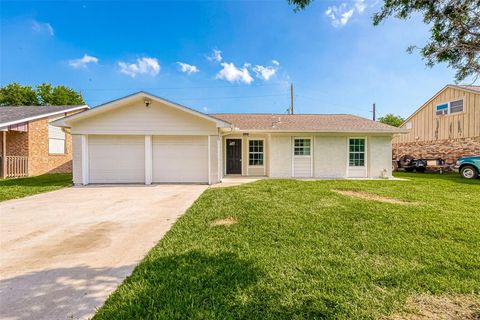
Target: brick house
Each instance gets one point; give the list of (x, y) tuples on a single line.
[(30, 145), (447, 126)]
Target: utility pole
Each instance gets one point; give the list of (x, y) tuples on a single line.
[(374, 111), (292, 109)]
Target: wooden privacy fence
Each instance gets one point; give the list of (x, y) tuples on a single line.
[(15, 166)]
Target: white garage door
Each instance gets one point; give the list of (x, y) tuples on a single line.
[(180, 159), (116, 159)]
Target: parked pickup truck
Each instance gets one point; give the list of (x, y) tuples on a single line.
[(469, 167)]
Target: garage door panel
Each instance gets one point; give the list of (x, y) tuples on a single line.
[(116, 159), (180, 159)]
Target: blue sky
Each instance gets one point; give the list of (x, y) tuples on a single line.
[(222, 56)]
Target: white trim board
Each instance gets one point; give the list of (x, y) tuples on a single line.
[(45, 115)]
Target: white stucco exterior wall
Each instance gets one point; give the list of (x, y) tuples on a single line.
[(380, 156), (280, 156), (330, 157)]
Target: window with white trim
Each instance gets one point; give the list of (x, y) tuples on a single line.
[(301, 147), (56, 140), (255, 152), (441, 109), (356, 154), (456, 106), (449, 107)]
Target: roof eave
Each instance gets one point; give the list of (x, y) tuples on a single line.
[(436, 95), (112, 104), (399, 131), (45, 115)]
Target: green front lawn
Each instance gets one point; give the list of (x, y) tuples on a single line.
[(22, 187), (298, 250)]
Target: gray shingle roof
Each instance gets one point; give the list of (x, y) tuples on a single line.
[(19, 114), (306, 122)]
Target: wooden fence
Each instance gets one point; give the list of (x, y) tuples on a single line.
[(15, 166)]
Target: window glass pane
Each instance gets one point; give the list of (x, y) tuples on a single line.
[(255, 152), (301, 147), (441, 109), (356, 152), (456, 106)]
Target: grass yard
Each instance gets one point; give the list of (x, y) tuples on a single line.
[(285, 249), (22, 187)]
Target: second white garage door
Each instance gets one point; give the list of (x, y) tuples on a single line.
[(180, 159), (116, 159)]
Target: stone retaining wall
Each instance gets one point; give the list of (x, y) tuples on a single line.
[(449, 150)]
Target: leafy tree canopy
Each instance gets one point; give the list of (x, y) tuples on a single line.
[(15, 94), (454, 30), (392, 120)]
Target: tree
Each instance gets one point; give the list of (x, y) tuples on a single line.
[(15, 94), (392, 120), (455, 30), (58, 96)]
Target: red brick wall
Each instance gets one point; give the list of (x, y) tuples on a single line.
[(40, 161), (449, 149)]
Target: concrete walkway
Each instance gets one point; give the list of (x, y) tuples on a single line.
[(63, 252), (233, 180)]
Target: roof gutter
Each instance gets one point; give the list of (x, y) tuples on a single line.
[(45, 115), (401, 131)]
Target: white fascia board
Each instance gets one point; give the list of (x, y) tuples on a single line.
[(119, 102), (46, 115)]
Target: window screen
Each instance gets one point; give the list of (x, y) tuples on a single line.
[(441, 109), (302, 147), (356, 152), (255, 152), (456, 106)]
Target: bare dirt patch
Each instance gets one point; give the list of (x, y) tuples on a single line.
[(370, 196), (425, 307), (224, 222)]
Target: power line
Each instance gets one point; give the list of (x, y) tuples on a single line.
[(332, 104), (179, 88), (225, 97)]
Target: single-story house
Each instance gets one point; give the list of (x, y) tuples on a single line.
[(142, 138), (30, 145)]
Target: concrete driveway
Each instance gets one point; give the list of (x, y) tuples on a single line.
[(63, 252)]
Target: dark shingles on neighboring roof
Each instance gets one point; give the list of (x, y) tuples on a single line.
[(305, 122), (9, 114)]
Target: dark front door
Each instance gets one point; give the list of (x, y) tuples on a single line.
[(234, 156)]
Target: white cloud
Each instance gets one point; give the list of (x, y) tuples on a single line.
[(42, 27), (187, 68), (263, 72), (360, 6), (275, 62), (231, 73), (216, 56), (341, 15), (82, 62), (144, 65)]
